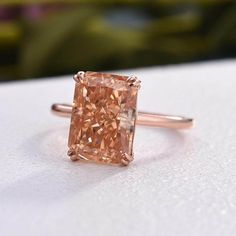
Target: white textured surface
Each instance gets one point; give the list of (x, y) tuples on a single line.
[(181, 183)]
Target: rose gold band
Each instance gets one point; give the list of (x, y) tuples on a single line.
[(143, 118)]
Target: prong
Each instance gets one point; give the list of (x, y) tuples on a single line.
[(124, 162), (76, 78), (126, 159), (79, 76), (134, 81), (71, 153)]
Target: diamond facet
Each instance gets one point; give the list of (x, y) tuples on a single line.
[(103, 118)]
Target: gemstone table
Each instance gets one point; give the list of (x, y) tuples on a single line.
[(180, 183)]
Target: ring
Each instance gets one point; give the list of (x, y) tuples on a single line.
[(104, 116)]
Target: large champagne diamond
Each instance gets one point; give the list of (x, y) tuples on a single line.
[(103, 118)]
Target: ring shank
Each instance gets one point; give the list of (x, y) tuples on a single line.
[(143, 118)]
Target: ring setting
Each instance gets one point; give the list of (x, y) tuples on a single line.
[(104, 116)]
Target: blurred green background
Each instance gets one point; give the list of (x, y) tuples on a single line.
[(48, 38)]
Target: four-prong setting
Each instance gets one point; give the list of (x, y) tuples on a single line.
[(103, 118)]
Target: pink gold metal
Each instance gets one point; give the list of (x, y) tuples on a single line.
[(143, 118), (104, 116)]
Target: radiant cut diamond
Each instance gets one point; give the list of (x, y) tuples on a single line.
[(103, 118)]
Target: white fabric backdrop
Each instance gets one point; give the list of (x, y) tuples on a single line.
[(180, 183)]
